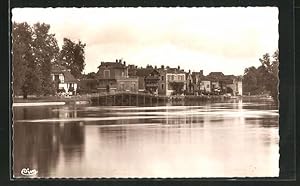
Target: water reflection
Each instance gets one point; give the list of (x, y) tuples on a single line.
[(184, 140)]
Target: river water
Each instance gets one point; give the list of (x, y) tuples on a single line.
[(229, 139)]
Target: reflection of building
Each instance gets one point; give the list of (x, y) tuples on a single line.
[(63, 79), (113, 76)]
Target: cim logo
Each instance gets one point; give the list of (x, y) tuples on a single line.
[(28, 172)]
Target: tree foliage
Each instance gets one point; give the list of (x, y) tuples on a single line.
[(177, 87), (73, 57), (45, 52), (264, 78), (33, 52), (21, 54)]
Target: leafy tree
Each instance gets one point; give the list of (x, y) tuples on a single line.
[(271, 74), (73, 56), (264, 78), (25, 78), (45, 52), (250, 81), (177, 87), (21, 54), (91, 75)]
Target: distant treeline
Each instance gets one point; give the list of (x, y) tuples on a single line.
[(263, 79), (34, 52)]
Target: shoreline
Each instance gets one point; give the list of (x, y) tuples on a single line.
[(86, 99)]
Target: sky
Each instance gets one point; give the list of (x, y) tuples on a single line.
[(210, 39)]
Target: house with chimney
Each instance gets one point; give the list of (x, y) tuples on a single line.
[(168, 78), (63, 79), (113, 77)]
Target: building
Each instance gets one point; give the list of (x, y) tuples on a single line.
[(190, 85), (152, 82), (113, 76), (205, 86), (171, 76), (232, 84), (64, 80), (196, 79)]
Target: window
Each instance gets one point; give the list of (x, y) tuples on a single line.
[(162, 86), (207, 86), (122, 86), (162, 78), (56, 78), (106, 73), (61, 78)]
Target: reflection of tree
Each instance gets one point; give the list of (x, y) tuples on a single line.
[(35, 147), (72, 139)]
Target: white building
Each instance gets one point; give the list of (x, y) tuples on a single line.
[(169, 75), (205, 85), (64, 80)]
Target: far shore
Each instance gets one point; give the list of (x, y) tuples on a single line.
[(59, 100)]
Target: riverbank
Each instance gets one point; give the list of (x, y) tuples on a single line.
[(124, 99), (51, 100)]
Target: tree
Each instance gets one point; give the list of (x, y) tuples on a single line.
[(73, 57), (177, 87), (264, 78), (45, 52), (271, 74), (25, 76), (91, 75), (34, 50), (21, 54), (250, 81)]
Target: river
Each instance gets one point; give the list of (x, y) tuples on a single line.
[(237, 138)]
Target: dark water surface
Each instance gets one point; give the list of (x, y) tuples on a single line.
[(232, 139)]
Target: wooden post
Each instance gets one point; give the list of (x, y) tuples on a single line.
[(137, 100), (114, 99), (122, 99), (144, 100), (129, 99)]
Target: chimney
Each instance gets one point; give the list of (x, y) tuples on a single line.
[(178, 67), (117, 61), (155, 67), (201, 72), (189, 71), (124, 63), (162, 66)]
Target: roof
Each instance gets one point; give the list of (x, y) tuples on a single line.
[(112, 64), (69, 78), (219, 74), (171, 70), (143, 72), (58, 69)]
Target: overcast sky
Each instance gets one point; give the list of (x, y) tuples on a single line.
[(212, 39)]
